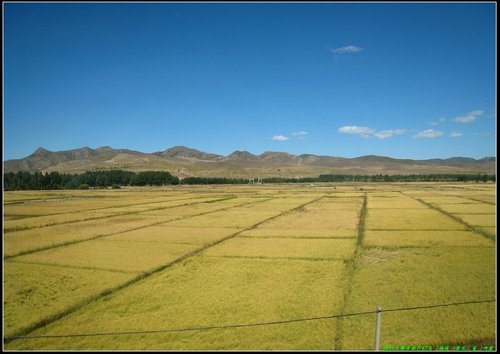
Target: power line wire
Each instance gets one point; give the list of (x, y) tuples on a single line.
[(187, 329)]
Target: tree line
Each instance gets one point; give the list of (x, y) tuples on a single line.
[(437, 177), (347, 178), (24, 180)]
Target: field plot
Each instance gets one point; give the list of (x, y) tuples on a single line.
[(338, 249), (234, 218), (479, 219), (20, 242), (264, 266), (81, 202), (212, 291), (409, 219), (36, 218), (391, 202), (469, 209), (418, 277), (335, 217), (33, 292), (171, 234), (65, 232), (422, 238), (126, 256)]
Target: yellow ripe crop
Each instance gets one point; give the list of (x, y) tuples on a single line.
[(229, 218), (209, 291), (35, 291), (399, 202), (469, 208), (418, 277), (126, 256), (150, 259), (410, 219), (285, 248), (172, 234), (29, 240), (479, 219), (310, 219), (423, 238)]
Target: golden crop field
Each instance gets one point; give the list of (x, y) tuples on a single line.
[(254, 267)]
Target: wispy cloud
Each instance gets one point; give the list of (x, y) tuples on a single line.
[(439, 121), (383, 134), (348, 49), (429, 133), (279, 138), (354, 129), (469, 117), (300, 135), (455, 134), (366, 132), (294, 135)]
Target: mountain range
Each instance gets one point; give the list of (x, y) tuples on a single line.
[(183, 162)]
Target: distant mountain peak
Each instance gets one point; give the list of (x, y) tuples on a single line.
[(41, 152), (104, 149), (188, 153), (241, 155)]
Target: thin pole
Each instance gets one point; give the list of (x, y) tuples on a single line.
[(377, 328)]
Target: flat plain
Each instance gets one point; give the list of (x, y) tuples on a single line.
[(250, 267)]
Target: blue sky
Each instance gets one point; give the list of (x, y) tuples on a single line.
[(407, 80)]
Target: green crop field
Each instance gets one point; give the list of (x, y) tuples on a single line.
[(252, 267)]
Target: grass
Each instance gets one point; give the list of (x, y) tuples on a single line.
[(491, 231)]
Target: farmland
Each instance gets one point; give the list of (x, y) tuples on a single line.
[(252, 267)]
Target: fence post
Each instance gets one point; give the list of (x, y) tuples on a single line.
[(377, 328)]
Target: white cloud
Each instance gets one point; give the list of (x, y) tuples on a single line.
[(455, 134), (469, 117), (347, 49), (429, 133), (383, 134), (279, 138), (354, 129)]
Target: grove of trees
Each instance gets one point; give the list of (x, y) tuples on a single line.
[(23, 180)]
